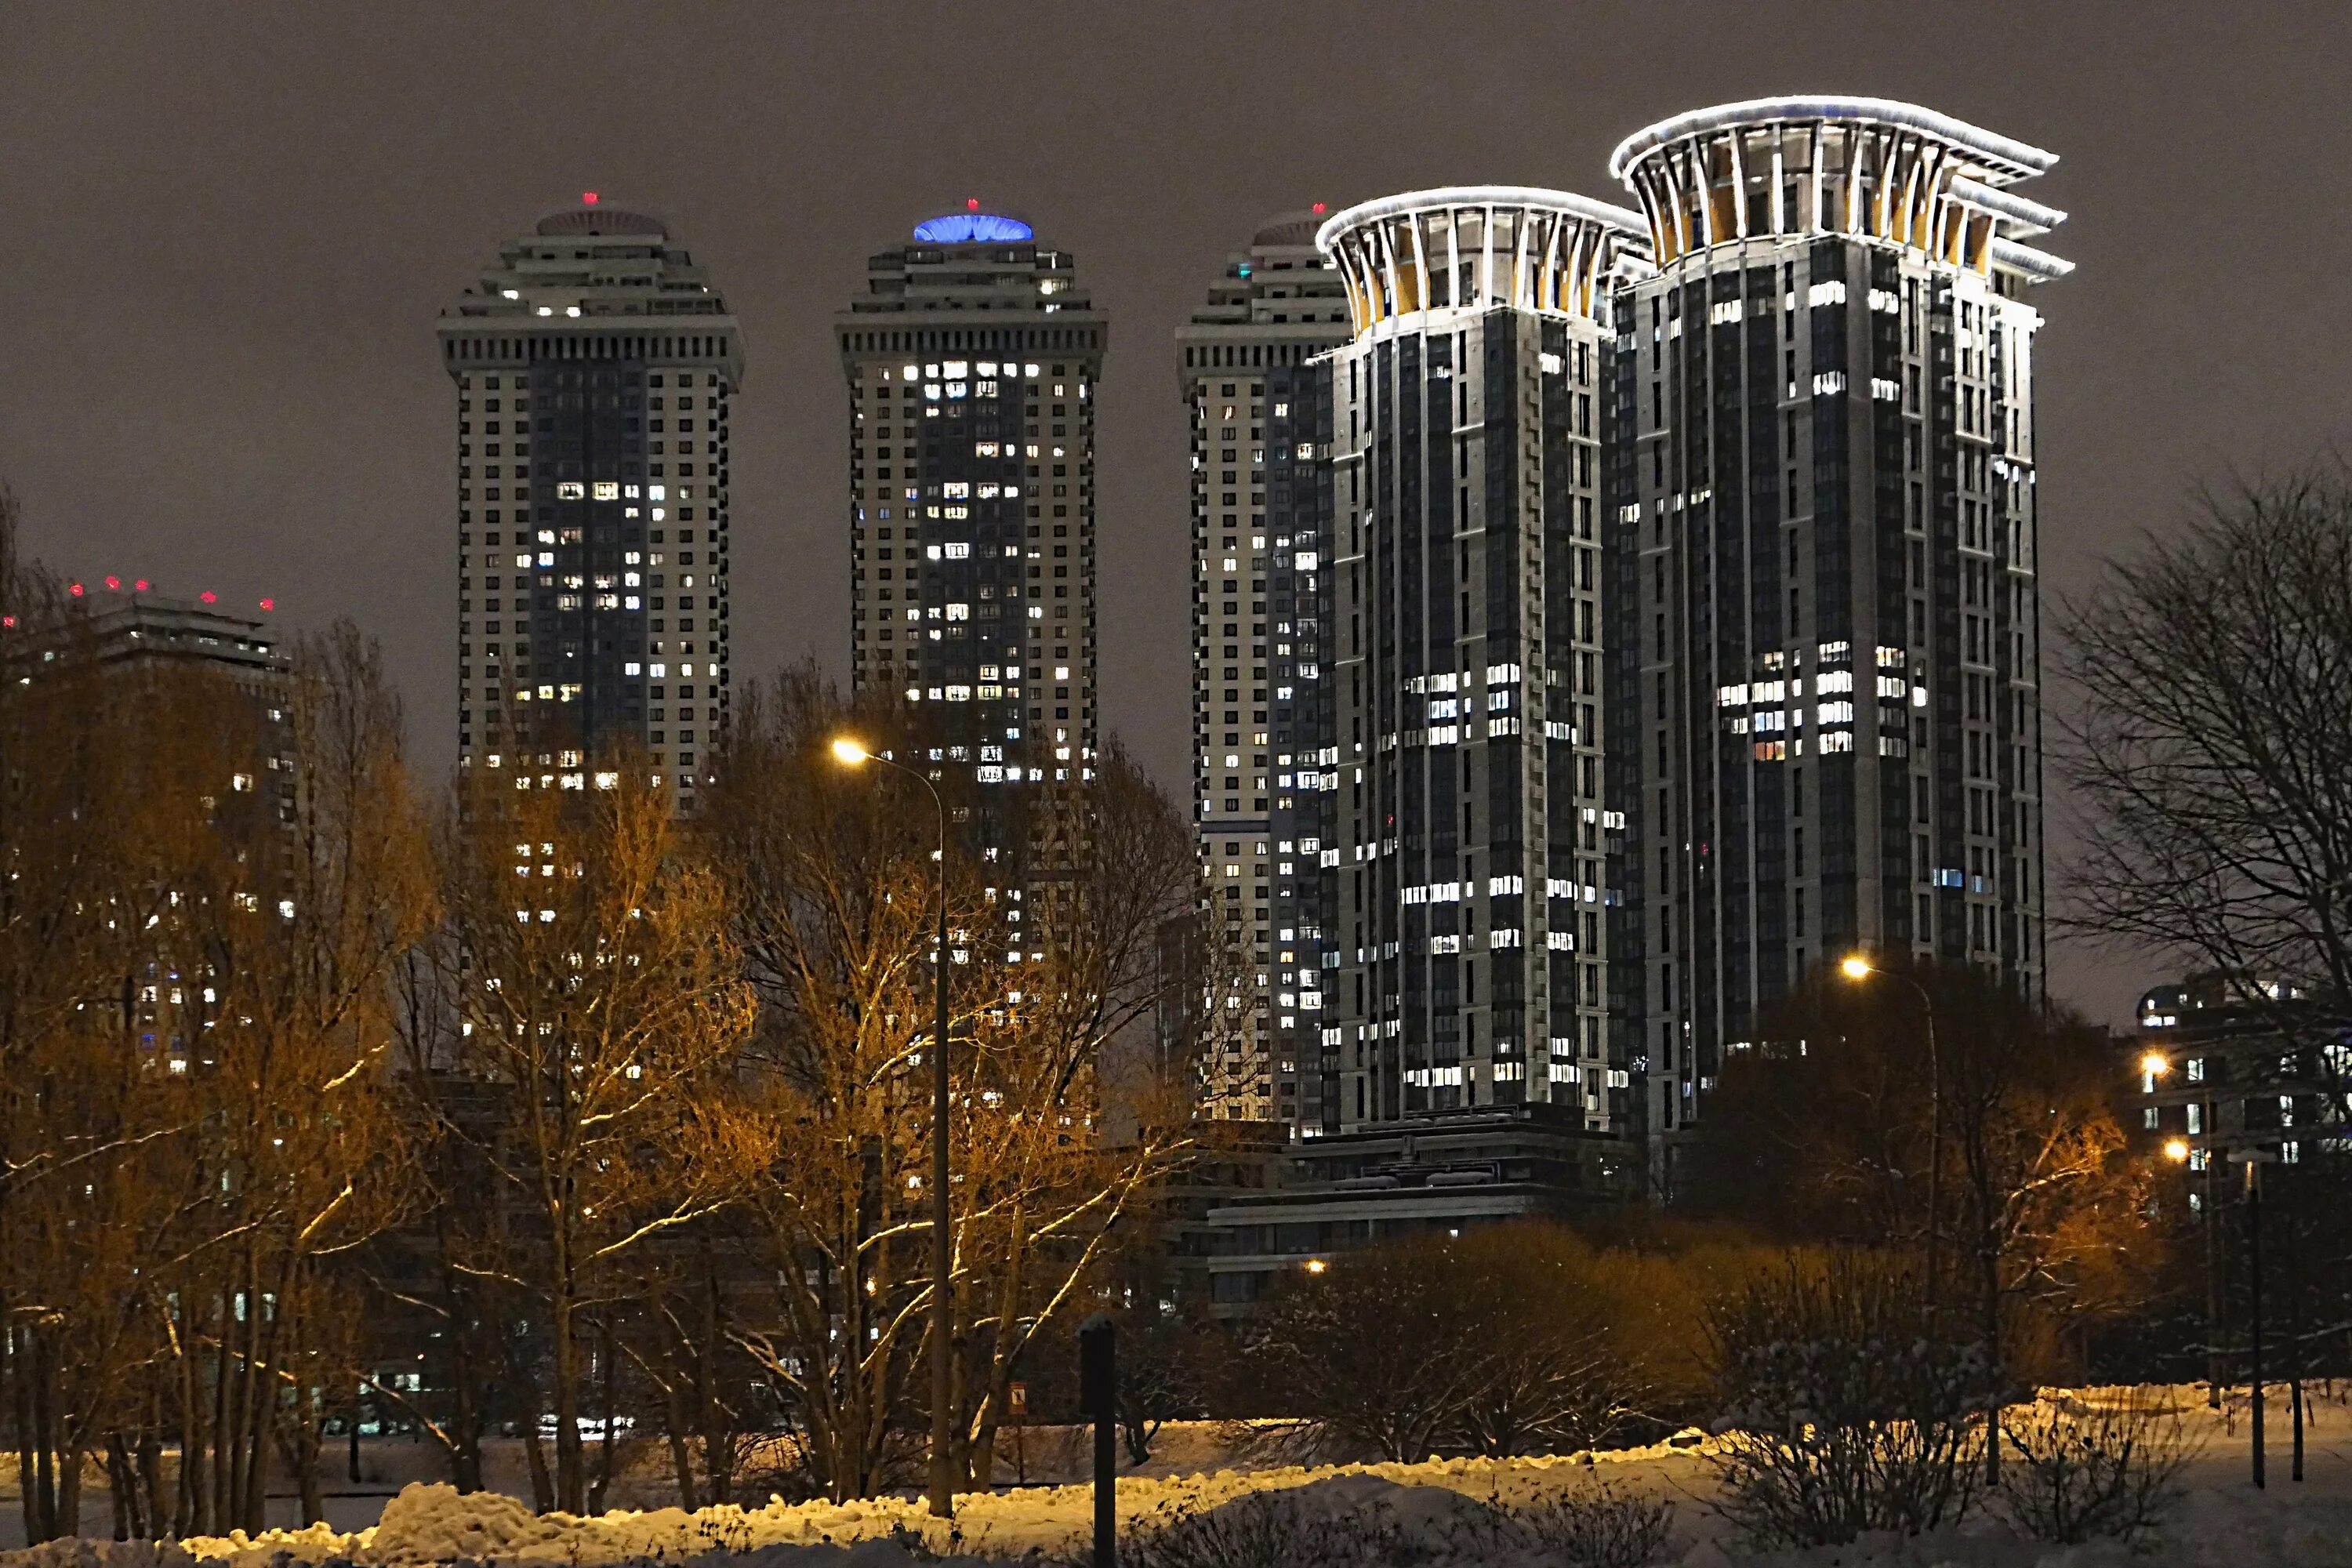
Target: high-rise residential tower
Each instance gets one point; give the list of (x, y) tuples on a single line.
[(1261, 500), (1473, 856), (1825, 541), (973, 360), (594, 364)]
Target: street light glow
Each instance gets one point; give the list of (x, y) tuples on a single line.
[(850, 753), (2155, 1065), (1316, 1265), (1856, 967), (2175, 1149)]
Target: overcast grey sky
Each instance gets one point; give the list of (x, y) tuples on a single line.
[(229, 228)]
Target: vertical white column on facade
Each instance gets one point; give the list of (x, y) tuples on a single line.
[(1388, 269), (1814, 174), (1523, 284), (1854, 145), (1739, 185), (1453, 258), (1420, 260), (1780, 182), (1487, 294)]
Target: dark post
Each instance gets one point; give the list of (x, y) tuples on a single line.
[(2254, 1299), (1098, 1394)]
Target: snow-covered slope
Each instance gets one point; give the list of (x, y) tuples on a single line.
[(2221, 1523)]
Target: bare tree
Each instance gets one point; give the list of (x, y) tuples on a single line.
[(834, 892), (2211, 746), (604, 1009)]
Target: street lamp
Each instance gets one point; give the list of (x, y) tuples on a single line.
[(852, 753), (1857, 967)]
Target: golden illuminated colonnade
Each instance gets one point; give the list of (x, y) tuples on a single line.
[(1481, 246), (1868, 167)]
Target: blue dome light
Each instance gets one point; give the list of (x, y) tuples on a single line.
[(971, 228)]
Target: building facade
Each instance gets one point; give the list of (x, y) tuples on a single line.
[(1824, 536), (1473, 851), (2231, 1065), (1259, 409), (594, 365), (973, 362)]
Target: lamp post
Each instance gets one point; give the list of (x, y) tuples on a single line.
[(2254, 1160), (851, 753), (1857, 967)]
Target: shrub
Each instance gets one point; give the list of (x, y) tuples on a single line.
[(1269, 1530), (2087, 1470), (1842, 1409), (1595, 1526)]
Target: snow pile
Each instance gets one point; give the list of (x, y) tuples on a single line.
[(1442, 1513)]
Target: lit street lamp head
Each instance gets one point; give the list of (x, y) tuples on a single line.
[(1854, 967), (2175, 1149), (850, 753), (2155, 1065)]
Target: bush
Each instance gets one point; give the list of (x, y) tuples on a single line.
[(1350, 1523), (1269, 1530), (1514, 1348), (1595, 1526), (2088, 1471), (1844, 1410)]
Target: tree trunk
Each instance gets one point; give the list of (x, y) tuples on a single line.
[(119, 1487), (681, 1457), (28, 1496), (43, 1441), (1989, 1283), (150, 1458), (188, 1510), (570, 1491), (718, 1451), (220, 1502), (268, 1317), (542, 1492), (69, 1462), (603, 1488)]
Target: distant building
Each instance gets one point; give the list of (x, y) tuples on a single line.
[(1824, 536), (128, 650), (1414, 1175), (2229, 1067), (594, 364), (1259, 410), (149, 629), (973, 359)]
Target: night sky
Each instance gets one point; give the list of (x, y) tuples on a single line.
[(230, 228)]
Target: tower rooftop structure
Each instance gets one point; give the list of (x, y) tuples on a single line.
[(591, 270), (1870, 168), (1481, 246)]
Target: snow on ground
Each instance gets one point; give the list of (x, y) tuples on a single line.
[(2221, 1523)]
